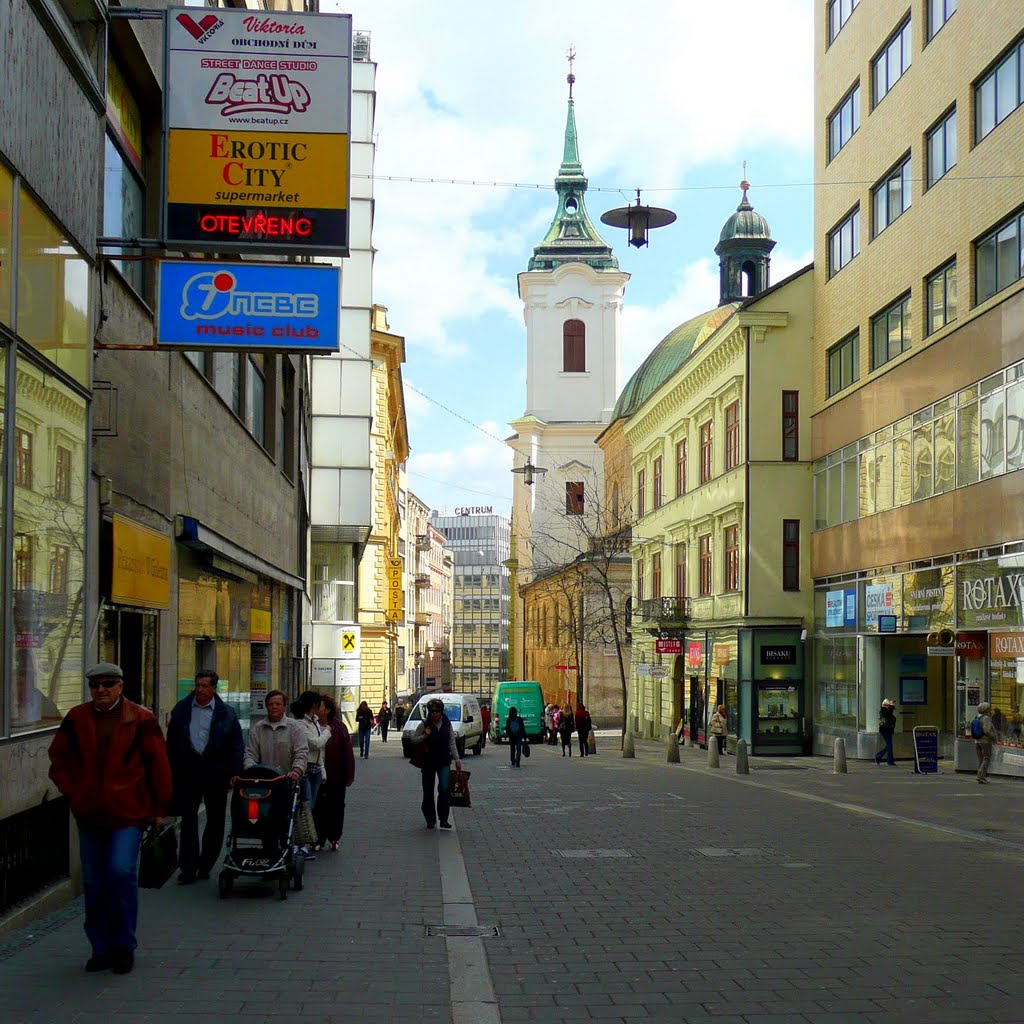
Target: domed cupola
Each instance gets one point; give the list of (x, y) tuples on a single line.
[(743, 250)]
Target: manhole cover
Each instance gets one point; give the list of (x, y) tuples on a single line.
[(592, 854), (731, 851), (462, 931)]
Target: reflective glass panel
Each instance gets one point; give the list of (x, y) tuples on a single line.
[(6, 254), (968, 444), (992, 435), (1015, 426)]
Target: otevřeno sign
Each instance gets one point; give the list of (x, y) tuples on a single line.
[(257, 109), (279, 306)]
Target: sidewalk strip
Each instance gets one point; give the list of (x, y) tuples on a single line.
[(469, 974)]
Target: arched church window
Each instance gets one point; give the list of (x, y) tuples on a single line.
[(749, 272), (574, 347)]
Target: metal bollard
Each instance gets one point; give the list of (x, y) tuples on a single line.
[(672, 749), (713, 759), (628, 750), (839, 757), (742, 764)]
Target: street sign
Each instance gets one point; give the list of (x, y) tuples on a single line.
[(566, 668), (280, 307), (658, 671), (257, 111), (926, 750), (668, 646), (642, 670)]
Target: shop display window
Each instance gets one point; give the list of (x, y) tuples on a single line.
[(778, 710), (1006, 681), (835, 661)]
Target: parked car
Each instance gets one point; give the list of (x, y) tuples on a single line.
[(463, 711)]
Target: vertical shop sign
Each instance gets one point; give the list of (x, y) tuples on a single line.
[(394, 585)]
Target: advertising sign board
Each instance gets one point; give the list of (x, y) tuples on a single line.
[(257, 114), (668, 646), (141, 565), (926, 750), (279, 306), (395, 593)]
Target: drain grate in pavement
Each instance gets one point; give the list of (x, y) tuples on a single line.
[(592, 854), (732, 851), (462, 931)]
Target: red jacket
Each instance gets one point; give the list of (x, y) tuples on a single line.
[(132, 786), (339, 761)]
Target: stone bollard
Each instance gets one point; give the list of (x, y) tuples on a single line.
[(713, 759), (672, 749), (839, 757), (591, 744), (742, 764), (628, 750)]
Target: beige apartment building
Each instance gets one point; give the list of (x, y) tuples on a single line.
[(918, 370)]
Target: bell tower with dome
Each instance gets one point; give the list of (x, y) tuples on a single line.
[(744, 250)]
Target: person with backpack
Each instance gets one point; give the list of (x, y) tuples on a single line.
[(886, 727), (984, 735), (515, 730), (566, 726)]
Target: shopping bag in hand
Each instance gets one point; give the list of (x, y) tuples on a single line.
[(458, 788), (158, 858), (526, 749)]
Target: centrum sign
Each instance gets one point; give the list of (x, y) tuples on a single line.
[(280, 306), (257, 146)]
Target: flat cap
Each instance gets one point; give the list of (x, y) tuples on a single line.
[(104, 670)]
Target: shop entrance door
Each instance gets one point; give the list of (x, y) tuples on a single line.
[(696, 710), (129, 638)]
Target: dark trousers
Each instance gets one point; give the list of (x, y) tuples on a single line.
[(443, 799), (886, 751), (192, 792), (721, 743), (384, 731), (584, 734), (329, 811), (515, 749), (566, 742)]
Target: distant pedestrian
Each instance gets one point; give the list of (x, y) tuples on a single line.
[(437, 733), (205, 747), (110, 760), (515, 730), (550, 732), (886, 727), (364, 723), (984, 732), (566, 726), (583, 726), (339, 774), (384, 721), (718, 727), (485, 721)]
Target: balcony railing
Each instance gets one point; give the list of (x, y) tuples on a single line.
[(665, 613), (422, 542), (423, 579)]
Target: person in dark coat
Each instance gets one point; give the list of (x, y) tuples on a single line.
[(583, 728), (339, 774), (515, 730), (384, 721), (364, 724), (204, 744), (435, 761), (566, 725), (886, 727)]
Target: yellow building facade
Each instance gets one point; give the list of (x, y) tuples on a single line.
[(917, 358)]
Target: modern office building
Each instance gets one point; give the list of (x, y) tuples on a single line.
[(479, 543), (918, 394)]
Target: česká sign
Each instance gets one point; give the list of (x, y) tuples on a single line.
[(280, 307), (257, 109)]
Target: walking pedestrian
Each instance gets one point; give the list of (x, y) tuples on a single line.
[(384, 720), (306, 712), (277, 742), (984, 732), (566, 725), (886, 727), (110, 760), (583, 726), (205, 748), (400, 715), (550, 732), (339, 774), (515, 730), (364, 723), (485, 723), (437, 733), (718, 727)]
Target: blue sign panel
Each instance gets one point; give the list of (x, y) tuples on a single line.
[(886, 623), (281, 307), (926, 750)]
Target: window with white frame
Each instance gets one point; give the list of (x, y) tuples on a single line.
[(890, 198), (999, 93), (844, 121), (892, 62)]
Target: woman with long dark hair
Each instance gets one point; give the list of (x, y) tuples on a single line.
[(340, 772)]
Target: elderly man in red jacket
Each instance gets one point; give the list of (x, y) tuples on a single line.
[(109, 759)]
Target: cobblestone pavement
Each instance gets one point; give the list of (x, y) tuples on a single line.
[(623, 890)]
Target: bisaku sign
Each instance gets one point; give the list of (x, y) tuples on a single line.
[(257, 145)]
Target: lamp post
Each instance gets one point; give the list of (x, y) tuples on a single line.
[(638, 219), (529, 472)]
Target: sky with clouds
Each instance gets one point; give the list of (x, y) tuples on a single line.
[(671, 97)]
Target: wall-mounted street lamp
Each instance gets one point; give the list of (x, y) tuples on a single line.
[(530, 472), (638, 219)]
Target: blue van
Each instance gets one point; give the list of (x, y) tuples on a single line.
[(527, 698)]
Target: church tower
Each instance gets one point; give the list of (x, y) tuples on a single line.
[(572, 292), (743, 250)]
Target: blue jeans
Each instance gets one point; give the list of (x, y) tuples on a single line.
[(110, 870), (886, 751), (311, 782), (364, 742), (443, 799)]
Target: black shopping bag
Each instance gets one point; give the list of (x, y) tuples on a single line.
[(158, 859), (458, 788), (526, 749)]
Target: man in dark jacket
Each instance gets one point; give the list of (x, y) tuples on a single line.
[(204, 741), (109, 759)]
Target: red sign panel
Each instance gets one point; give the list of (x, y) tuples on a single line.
[(971, 645), (695, 654), (668, 646)]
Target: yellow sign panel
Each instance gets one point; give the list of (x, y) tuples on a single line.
[(396, 595), (141, 571), (260, 624), (123, 113), (349, 643), (256, 169)]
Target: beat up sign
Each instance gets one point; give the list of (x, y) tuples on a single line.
[(257, 145)]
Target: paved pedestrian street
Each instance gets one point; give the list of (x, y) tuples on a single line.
[(621, 891)]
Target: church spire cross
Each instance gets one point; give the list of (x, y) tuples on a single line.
[(570, 55)]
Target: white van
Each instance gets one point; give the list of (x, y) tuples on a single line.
[(463, 711)]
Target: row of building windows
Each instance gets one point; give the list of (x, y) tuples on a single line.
[(972, 435), (705, 565)]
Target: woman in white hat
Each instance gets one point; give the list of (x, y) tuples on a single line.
[(886, 727)]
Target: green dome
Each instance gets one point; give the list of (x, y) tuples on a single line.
[(668, 355), (746, 222)]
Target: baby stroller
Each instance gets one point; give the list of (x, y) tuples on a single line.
[(263, 806)]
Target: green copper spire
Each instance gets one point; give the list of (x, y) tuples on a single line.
[(572, 238)]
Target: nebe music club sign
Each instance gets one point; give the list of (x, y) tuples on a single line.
[(257, 109)]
